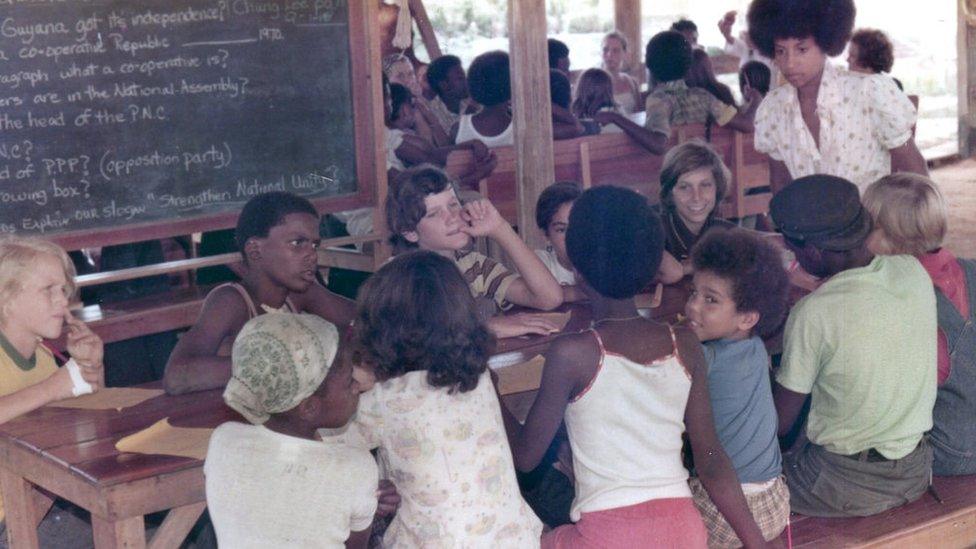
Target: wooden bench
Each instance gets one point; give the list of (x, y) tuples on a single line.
[(923, 523)]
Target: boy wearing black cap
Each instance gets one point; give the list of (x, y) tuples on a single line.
[(862, 347)]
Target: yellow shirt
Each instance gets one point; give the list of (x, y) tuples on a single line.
[(18, 373)]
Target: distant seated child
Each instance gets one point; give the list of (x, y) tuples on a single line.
[(552, 216), (740, 292), (278, 236), (490, 85), (564, 123), (863, 347), (423, 211), (754, 75), (433, 412), (594, 94), (910, 218), (272, 483)]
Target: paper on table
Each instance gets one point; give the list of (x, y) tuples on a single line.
[(650, 301), (115, 398), (524, 376), (559, 319), (163, 438)]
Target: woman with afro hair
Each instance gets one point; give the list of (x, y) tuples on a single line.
[(825, 119)]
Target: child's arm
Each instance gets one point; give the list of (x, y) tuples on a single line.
[(564, 124), (194, 365), (743, 120), (788, 406), (713, 465), (907, 158), (570, 365), (779, 175), (536, 286), (654, 142), (520, 324), (359, 540), (330, 306)]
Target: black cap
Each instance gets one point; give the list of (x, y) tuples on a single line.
[(823, 210)]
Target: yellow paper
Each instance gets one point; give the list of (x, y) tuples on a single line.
[(524, 376), (163, 438), (559, 319), (115, 398), (650, 301)]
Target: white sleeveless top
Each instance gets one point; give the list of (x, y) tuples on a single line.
[(466, 132), (625, 431), (625, 102)]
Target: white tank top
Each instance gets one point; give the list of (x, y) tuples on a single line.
[(625, 102), (466, 132), (625, 431)]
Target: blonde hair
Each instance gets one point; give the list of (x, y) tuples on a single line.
[(614, 34), (909, 210), (17, 257)]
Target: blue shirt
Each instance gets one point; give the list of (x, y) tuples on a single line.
[(742, 405)]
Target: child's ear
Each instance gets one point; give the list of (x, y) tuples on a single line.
[(411, 236), (310, 408), (747, 320), (252, 249)]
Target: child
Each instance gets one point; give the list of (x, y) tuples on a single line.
[(909, 216), (594, 93), (863, 346), (626, 388), (740, 292), (277, 235), (552, 216), (754, 75), (449, 85), (825, 120), (564, 123), (271, 483), (490, 85), (625, 90), (432, 412), (423, 211)]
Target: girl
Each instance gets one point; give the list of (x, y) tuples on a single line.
[(823, 119), (626, 92), (702, 75), (626, 389), (489, 84), (432, 413), (910, 218), (594, 93), (552, 216)]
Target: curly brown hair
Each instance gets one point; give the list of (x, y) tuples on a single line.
[(417, 313), (874, 50)]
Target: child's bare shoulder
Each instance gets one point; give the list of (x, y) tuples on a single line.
[(574, 349), (226, 302)]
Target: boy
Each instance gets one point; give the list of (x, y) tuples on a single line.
[(272, 483), (423, 211), (863, 347), (447, 80), (277, 234), (740, 293)]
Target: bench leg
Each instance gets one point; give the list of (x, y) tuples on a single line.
[(18, 502), (177, 525), (43, 501), (127, 533)]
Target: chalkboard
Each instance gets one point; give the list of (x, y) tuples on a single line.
[(117, 113)]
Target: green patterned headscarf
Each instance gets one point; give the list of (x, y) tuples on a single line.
[(279, 360)]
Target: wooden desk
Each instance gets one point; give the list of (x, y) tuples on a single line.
[(71, 454)]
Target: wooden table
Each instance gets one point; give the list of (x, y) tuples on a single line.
[(71, 454)]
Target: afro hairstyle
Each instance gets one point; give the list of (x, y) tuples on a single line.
[(874, 50), (488, 79), (557, 50), (668, 56), (754, 270), (615, 241), (828, 22), (265, 211), (438, 69)]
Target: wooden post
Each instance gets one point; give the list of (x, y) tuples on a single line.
[(966, 43), (627, 20), (374, 123), (531, 110), (419, 14)]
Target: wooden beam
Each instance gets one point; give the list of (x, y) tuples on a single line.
[(419, 14), (627, 20), (966, 44), (374, 123), (531, 110)]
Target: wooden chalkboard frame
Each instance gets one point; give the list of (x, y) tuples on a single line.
[(367, 104)]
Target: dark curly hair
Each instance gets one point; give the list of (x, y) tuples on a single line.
[(828, 22), (668, 56), (557, 50), (405, 201), (551, 199), (438, 69), (874, 50), (265, 211), (614, 240), (560, 91), (757, 74), (682, 25), (754, 270), (488, 79), (417, 313)]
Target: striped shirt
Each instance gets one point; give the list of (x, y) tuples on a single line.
[(485, 276)]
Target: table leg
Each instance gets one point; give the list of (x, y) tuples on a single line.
[(127, 533), (179, 521), (18, 503), (43, 501)]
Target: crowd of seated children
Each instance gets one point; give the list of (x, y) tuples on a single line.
[(552, 216), (398, 69), (271, 483), (909, 216), (449, 85), (862, 346), (739, 296), (870, 52), (277, 235), (490, 85), (423, 211), (625, 91), (825, 120), (626, 389), (432, 412)]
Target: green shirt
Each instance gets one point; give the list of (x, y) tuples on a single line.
[(863, 345)]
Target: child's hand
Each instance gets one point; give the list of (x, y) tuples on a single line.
[(480, 150), (605, 117), (86, 348), (387, 499), (521, 324), (482, 218)]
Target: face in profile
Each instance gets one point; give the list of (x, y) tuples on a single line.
[(38, 310), (289, 254), (556, 233)]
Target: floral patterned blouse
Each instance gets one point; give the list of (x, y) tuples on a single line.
[(449, 458), (862, 117)]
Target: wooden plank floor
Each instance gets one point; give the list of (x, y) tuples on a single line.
[(958, 184)]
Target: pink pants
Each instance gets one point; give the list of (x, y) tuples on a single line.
[(668, 522)]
